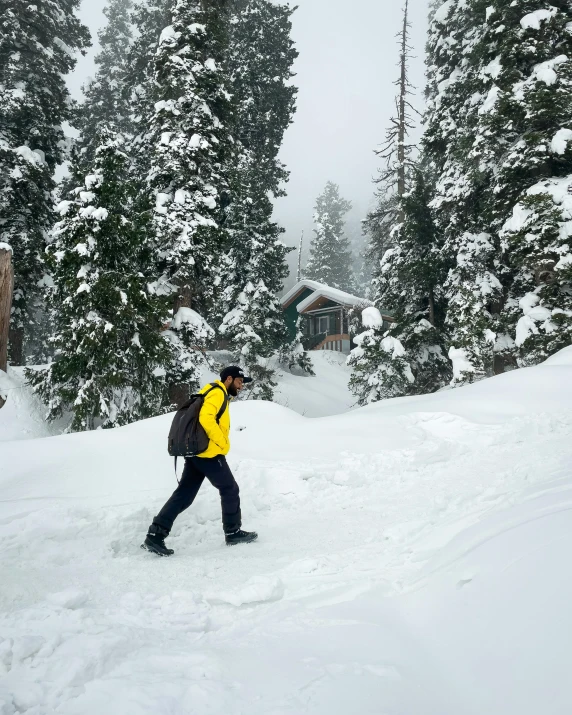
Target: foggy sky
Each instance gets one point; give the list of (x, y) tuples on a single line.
[(345, 74)]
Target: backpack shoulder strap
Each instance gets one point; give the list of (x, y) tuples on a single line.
[(222, 410)]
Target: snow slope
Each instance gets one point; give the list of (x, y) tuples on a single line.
[(326, 393), (22, 417), (412, 561)]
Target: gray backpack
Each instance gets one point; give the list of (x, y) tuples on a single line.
[(187, 436)]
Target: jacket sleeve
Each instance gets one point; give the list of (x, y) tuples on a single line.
[(207, 417)]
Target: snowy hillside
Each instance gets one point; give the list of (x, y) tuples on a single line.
[(22, 417), (412, 560), (325, 394)]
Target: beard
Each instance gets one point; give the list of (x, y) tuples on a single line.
[(232, 391)]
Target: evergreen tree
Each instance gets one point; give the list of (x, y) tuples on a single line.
[(530, 206), (456, 144), (106, 101), (330, 253), (259, 66), (361, 265), (37, 45), (409, 357), (434, 5), (499, 111), (110, 356), (379, 227), (149, 19), (396, 153), (380, 368), (294, 356), (189, 145), (539, 308)]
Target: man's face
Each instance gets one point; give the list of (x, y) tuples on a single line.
[(236, 386)]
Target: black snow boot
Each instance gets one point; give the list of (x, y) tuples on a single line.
[(155, 541), (239, 537)]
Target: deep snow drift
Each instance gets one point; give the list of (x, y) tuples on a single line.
[(327, 393), (413, 560)]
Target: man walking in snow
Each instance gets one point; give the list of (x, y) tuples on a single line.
[(211, 464)]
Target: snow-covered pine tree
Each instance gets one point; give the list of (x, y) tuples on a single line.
[(37, 46), (110, 354), (330, 253), (189, 145), (463, 153), (378, 226), (106, 101), (408, 357), (361, 264), (259, 65), (499, 122), (294, 356), (434, 5), (149, 18), (531, 118)]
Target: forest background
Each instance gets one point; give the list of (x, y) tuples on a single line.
[(345, 75)]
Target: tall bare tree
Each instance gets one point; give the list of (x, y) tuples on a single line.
[(300, 249), (6, 288), (396, 153), (397, 150)]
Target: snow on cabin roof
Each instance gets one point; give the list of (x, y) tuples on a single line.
[(322, 291)]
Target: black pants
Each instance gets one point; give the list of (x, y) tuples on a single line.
[(217, 471)]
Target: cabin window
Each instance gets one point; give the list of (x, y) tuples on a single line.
[(324, 324)]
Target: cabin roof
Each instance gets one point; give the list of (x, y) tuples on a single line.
[(321, 291)]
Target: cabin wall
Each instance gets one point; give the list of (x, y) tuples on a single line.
[(291, 312)]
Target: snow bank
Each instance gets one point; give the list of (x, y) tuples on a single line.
[(23, 415), (71, 598), (564, 357), (412, 559), (258, 589)]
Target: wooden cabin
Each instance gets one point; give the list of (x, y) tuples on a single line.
[(325, 315)]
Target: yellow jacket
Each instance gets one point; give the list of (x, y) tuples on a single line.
[(219, 442)]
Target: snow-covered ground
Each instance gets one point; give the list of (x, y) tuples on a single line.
[(325, 394), (23, 415), (412, 560)]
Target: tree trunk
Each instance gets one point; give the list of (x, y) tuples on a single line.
[(432, 307), (402, 130), (16, 342), (299, 275), (6, 289), (183, 299), (498, 364), (180, 393), (402, 134)]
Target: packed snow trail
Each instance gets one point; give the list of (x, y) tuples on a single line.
[(412, 560)]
